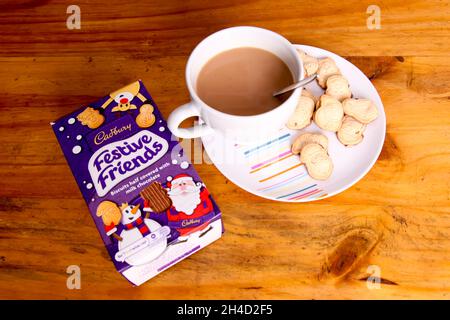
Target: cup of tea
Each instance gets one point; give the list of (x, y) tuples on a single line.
[(231, 76)]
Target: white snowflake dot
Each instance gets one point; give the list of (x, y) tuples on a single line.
[(184, 165), (68, 137), (79, 137), (76, 150), (71, 121), (162, 129), (89, 186), (61, 129), (169, 178), (174, 161)]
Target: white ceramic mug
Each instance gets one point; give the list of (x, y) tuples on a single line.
[(239, 128)]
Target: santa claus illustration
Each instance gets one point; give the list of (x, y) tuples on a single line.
[(191, 209)]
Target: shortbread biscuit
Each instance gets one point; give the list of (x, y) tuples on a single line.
[(351, 131), (307, 138), (362, 110), (338, 87), (310, 64), (329, 113), (91, 118), (302, 114), (327, 68), (145, 118), (317, 161)]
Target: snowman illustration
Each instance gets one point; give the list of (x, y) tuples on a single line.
[(143, 239)]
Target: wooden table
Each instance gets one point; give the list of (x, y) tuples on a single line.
[(397, 218)]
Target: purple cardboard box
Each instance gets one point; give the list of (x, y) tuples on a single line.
[(151, 208)]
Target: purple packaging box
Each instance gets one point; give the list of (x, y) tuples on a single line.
[(149, 205)]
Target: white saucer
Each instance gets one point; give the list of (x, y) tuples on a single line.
[(268, 169)]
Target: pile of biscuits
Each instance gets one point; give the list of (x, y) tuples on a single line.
[(334, 111)]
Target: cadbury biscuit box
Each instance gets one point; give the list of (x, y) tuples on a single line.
[(151, 208)]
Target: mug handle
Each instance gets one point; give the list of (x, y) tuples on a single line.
[(182, 113)]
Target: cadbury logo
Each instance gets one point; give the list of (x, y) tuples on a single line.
[(103, 136), (119, 160), (186, 223)]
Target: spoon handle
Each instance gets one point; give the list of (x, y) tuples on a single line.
[(295, 85)]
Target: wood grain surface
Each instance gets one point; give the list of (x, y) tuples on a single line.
[(397, 218)]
